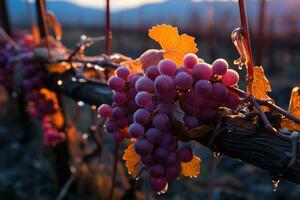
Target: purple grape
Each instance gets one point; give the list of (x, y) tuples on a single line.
[(191, 121), (203, 87), (27, 85), (105, 110), (147, 160), (153, 135), (118, 136), (152, 72), (121, 123), (141, 116), (189, 109), (132, 106), (132, 92), (110, 126), (122, 72), (143, 98), (185, 154), (151, 106), (167, 67), (116, 83), (219, 91), (143, 147), (166, 140), (160, 154), (158, 184), (194, 99), (183, 69), (190, 60), (232, 101), (173, 171), (161, 121), (168, 97), (132, 78), (230, 78), (120, 98), (173, 146), (118, 112), (202, 71), (164, 84), (144, 84), (164, 108), (183, 80), (219, 66), (157, 170), (172, 158), (136, 130)]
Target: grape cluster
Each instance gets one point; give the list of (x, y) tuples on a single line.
[(52, 136), (143, 103), (39, 105)]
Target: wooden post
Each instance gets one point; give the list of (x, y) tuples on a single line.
[(41, 15), (107, 29), (260, 46), (4, 19)]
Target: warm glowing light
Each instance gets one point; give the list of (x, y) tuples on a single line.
[(59, 82)]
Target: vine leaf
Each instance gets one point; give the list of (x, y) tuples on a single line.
[(192, 168), (294, 109), (57, 118), (134, 66), (261, 85), (175, 45), (58, 67), (131, 160)]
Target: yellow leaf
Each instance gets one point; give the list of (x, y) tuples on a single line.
[(260, 85), (294, 109), (175, 45), (132, 160), (57, 118), (192, 168), (58, 67), (134, 66)]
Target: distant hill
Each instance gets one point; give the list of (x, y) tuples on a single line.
[(180, 12)]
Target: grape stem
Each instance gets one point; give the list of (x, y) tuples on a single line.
[(257, 103), (246, 34)]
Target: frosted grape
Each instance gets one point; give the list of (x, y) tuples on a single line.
[(173, 171), (203, 87), (144, 84), (219, 66), (164, 108), (120, 98), (116, 83), (202, 71), (122, 72), (219, 91), (143, 147), (143, 98), (232, 101), (118, 112), (190, 60), (230, 78), (185, 154), (161, 121), (152, 72), (167, 67), (136, 130), (158, 184), (164, 84), (153, 135), (183, 80), (105, 110), (141, 116)]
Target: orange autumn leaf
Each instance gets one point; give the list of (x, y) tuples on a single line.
[(132, 160), (57, 118), (294, 109), (261, 85), (134, 66), (175, 45), (58, 67), (192, 168)]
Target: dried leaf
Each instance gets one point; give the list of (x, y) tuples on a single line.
[(260, 85), (151, 57), (134, 66), (58, 67), (192, 168), (175, 45), (294, 109), (132, 160)]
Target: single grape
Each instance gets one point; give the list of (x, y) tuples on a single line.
[(118, 136), (219, 91), (152, 72), (183, 69), (120, 98), (203, 87), (143, 98), (151, 106), (153, 135), (118, 112), (183, 80), (121, 123), (166, 140), (191, 121), (144, 84), (194, 99), (232, 101), (230, 78), (116, 83), (164, 108), (160, 154), (202, 71), (185, 154), (190, 60), (167, 67), (168, 97), (173, 171), (164, 84), (147, 160), (122, 72), (132, 78), (132, 92), (219, 66), (136, 130), (161, 121), (143, 147), (157, 170), (141, 116), (172, 158), (158, 184)]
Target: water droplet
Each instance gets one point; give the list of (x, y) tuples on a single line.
[(275, 183), (163, 190)]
